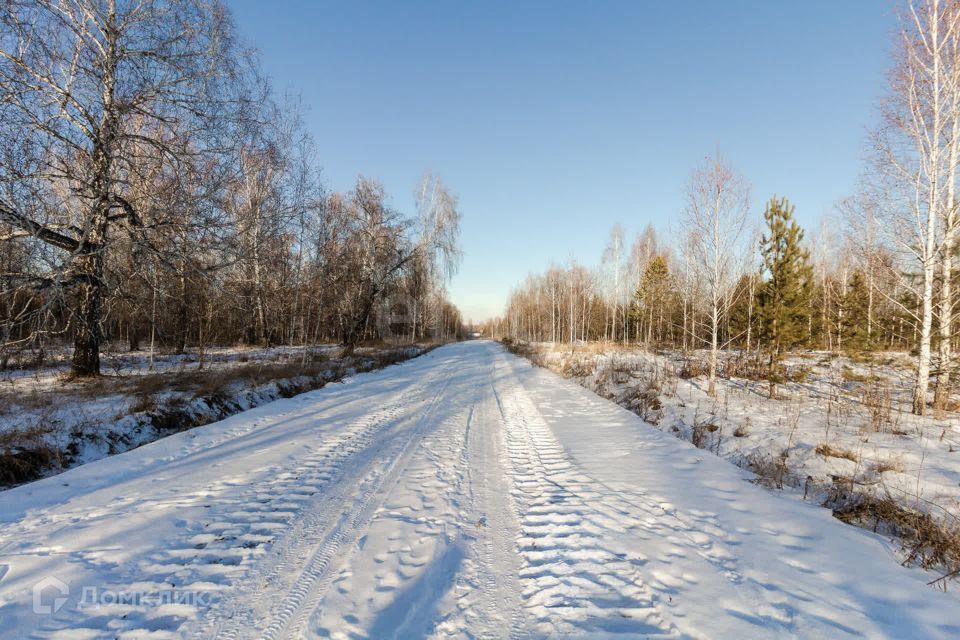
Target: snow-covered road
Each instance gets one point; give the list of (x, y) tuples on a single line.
[(463, 494)]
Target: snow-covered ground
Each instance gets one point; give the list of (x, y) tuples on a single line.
[(463, 494), (840, 428), (24, 375), (48, 424)]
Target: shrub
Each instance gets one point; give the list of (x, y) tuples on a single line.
[(692, 368), (890, 464), (932, 543), (26, 453), (770, 471), (878, 399), (699, 435), (744, 367)]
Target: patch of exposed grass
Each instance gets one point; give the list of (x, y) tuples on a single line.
[(848, 374), (889, 464), (828, 451), (932, 543), (26, 453), (524, 350)]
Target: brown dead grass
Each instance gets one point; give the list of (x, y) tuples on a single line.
[(524, 350), (828, 451), (890, 464), (26, 452), (932, 543)]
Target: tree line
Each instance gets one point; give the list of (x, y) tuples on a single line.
[(154, 190), (877, 275)]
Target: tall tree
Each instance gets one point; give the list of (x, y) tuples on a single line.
[(855, 302), (743, 312), (784, 299), (950, 220), (651, 306), (614, 271), (89, 87), (715, 216), (918, 152)]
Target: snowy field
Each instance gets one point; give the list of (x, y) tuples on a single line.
[(48, 423), (838, 431), (463, 494)]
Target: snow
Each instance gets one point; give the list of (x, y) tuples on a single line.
[(462, 494), (912, 459), (87, 420), (115, 360)]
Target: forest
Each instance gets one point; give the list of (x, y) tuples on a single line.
[(877, 274), (156, 192), (243, 394)]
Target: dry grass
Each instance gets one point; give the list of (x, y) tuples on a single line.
[(828, 451), (848, 374), (932, 543), (747, 367), (600, 347), (644, 400), (798, 373), (524, 350), (163, 399), (186, 376), (701, 434), (878, 400), (575, 367), (693, 368), (26, 453), (952, 405), (771, 472), (142, 403), (889, 464)]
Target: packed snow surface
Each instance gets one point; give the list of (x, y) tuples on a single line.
[(464, 494)]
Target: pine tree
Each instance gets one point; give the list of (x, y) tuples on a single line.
[(650, 311), (853, 324), (784, 300)]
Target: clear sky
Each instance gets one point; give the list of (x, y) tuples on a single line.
[(555, 120)]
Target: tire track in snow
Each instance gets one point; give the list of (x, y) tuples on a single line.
[(494, 523), (312, 475), (575, 579), (427, 568), (338, 520), (217, 552)]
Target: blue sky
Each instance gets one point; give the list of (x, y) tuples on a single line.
[(555, 120)]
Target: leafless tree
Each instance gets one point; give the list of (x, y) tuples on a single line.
[(917, 148), (715, 218), (93, 91)]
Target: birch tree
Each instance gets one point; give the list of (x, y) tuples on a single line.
[(949, 218), (613, 267), (715, 217), (87, 86), (917, 155)]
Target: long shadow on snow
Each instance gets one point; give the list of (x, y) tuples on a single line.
[(413, 612)]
